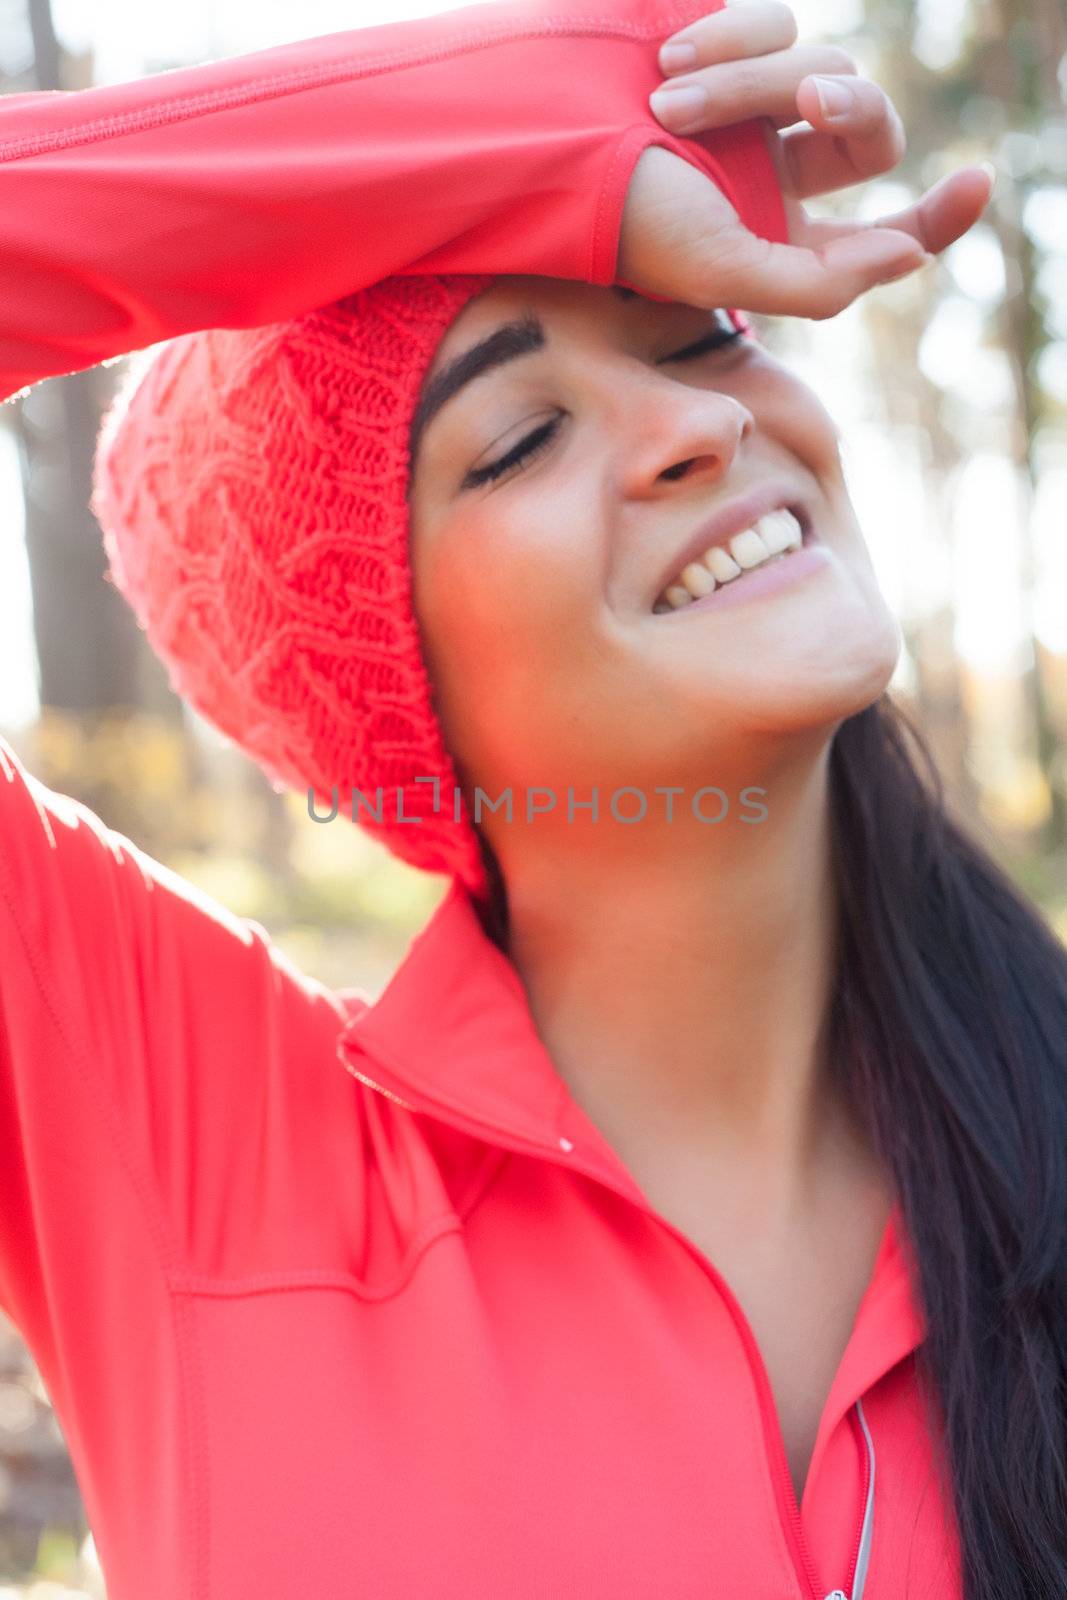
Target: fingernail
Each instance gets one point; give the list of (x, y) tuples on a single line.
[(677, 57), (991, 173), (835, 97), (678, 107)]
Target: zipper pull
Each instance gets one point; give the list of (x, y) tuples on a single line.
[(837, 1594)]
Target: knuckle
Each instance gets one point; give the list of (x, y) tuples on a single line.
[(748, 79)]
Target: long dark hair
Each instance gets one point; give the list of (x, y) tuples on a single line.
[(948, 1028)]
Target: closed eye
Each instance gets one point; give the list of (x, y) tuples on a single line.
[(532, 445)]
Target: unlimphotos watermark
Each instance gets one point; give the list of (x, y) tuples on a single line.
[(627, 804)]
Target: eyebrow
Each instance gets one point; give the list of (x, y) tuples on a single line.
[(505, 343)]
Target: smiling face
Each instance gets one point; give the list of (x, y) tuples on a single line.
[(539, 592)]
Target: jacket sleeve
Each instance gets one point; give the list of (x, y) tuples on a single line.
[(159, 1057), (493, 138)]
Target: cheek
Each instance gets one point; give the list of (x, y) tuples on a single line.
[(504, 600), (792, 413)]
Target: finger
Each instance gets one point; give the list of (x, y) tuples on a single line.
[(947, 210), (862, 140), (737, 90), (941, 217), (753, 29), (759, 275)]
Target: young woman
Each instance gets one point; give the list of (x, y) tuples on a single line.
[(689, 1218)]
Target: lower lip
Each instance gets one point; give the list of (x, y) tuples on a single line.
[(759, 581)]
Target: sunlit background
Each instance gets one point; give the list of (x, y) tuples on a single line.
[(951, 391)]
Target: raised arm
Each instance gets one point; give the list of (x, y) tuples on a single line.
[(488, 139), (147, 1038)]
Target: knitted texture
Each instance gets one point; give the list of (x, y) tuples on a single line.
[(251, 487), (251, 490)]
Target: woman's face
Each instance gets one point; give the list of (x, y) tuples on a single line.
[(536, 592)]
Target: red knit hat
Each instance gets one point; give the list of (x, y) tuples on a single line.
[(251, 487)]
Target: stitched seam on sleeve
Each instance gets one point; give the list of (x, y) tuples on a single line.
[(632, 144), (278, 85)]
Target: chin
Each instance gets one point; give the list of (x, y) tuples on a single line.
[(855, 659), (858, 685), (820, 696), (858, 678)]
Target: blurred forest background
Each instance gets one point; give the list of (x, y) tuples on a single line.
[(951, 390)]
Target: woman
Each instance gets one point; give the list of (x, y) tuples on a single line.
[(689, 1217)]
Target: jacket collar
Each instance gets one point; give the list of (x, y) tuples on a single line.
[(452, 1036)]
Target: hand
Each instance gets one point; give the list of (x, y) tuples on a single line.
[(681, 238)]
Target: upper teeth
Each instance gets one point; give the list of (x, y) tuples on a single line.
[(773, 534)]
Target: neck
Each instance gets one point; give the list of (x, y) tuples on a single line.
[(680, 980)]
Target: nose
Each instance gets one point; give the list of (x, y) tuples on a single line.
[(694, 436)]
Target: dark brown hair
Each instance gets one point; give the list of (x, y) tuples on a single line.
[(948, 1030)]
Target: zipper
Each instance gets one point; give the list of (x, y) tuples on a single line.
[(862, 1553), (788, 1509)]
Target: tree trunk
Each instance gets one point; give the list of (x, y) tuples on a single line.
[(91, 655)]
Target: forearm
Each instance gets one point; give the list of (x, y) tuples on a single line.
[(488, 139)]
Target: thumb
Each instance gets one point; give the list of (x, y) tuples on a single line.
[(815, 281)]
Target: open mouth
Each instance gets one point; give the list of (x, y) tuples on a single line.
[(772, 537)]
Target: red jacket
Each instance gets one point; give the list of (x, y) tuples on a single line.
[(347, 1300)]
